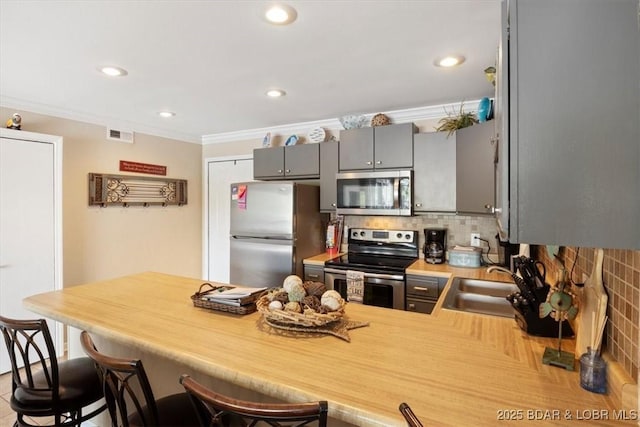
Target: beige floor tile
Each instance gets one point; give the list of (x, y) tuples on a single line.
[(5, 395), (5, 409), (42, 421), (5, 384), (7, 421)]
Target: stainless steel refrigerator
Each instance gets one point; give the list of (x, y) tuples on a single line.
[(274, 226)]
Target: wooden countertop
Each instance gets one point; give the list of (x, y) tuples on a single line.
[(420, 267), (452, 368), (321, 258)]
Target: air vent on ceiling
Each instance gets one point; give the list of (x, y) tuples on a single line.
[(120, 135)]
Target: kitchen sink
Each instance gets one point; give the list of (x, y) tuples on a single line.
[(480, 296)]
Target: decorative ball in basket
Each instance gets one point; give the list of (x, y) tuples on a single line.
[(301, 304)]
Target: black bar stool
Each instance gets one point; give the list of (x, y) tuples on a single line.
[(42, 387), (409, 416), (127, 388)]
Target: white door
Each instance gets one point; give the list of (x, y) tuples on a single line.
[(221, 173), (28, 228)]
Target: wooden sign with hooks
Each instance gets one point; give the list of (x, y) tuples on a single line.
[(126, 190)]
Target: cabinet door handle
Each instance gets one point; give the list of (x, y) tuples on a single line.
[(418, 205), (333, 204), (369, 163), (280, 171), (379, 162), (420, 288), (313, 276), (411, 307), (492, 209), (288, 171)]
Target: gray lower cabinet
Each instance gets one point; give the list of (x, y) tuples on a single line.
[(423, 292), (434, 172), (574, 122), (475, 168), (296, 161), (314, 273), (380, 147), (328, 170)]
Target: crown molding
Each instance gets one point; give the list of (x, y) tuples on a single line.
[(34, 107), (397, 116)]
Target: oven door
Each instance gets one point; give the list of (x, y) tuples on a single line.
[(381, 290)]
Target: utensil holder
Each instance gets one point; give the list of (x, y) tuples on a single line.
[(531, 323)]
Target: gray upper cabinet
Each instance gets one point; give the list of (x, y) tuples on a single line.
[(356, 149), (380, 147), (475, 168), (434, 172), (296, 161), (574, 122), (302, 161), (393, 146), (268, 162), (328, 170)]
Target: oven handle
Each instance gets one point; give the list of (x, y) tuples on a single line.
[(371, 275)]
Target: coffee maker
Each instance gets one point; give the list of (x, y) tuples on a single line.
[(435, 245)]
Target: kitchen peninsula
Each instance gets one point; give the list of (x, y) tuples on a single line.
[(451, 368)]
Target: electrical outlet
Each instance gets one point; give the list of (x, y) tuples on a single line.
[(475, 239)]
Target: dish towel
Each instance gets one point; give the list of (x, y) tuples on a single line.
[(355, 286)]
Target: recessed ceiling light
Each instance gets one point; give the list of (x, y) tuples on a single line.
[(449, 61), (166, 114), (280, 14), (112, 71), (276, 93)]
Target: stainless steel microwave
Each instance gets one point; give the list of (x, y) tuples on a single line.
[(375, 193)]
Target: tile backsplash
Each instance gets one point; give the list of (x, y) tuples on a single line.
[(621, 272), (459, 227), (621, 277)]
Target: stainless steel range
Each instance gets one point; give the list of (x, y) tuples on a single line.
[(383, 256)]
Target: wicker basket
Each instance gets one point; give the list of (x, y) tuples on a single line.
[(207, 288), (309, 319)]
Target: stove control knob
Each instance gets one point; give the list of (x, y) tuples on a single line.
[(407, 236), (362, 233), (399, 235), (355, 233)]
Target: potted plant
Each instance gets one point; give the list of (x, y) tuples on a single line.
[(454, 121)]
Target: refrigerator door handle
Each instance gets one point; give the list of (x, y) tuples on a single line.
[(262, 238)]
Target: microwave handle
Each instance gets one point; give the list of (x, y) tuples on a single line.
[(396, 193)]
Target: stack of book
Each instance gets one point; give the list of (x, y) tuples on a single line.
[(233, 295)]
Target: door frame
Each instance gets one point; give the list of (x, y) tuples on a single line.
[(205, 203), (56, 141)]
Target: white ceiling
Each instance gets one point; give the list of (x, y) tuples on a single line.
[(212, 61)]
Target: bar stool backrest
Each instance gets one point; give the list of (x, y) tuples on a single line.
[(30, 347), (215, 409), (409, 416), (125, 384)]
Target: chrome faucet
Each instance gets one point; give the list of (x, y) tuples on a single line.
[(500, 269)]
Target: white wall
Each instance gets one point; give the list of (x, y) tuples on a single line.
[(101, 243)]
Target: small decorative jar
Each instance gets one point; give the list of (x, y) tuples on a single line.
[(593, 372)]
